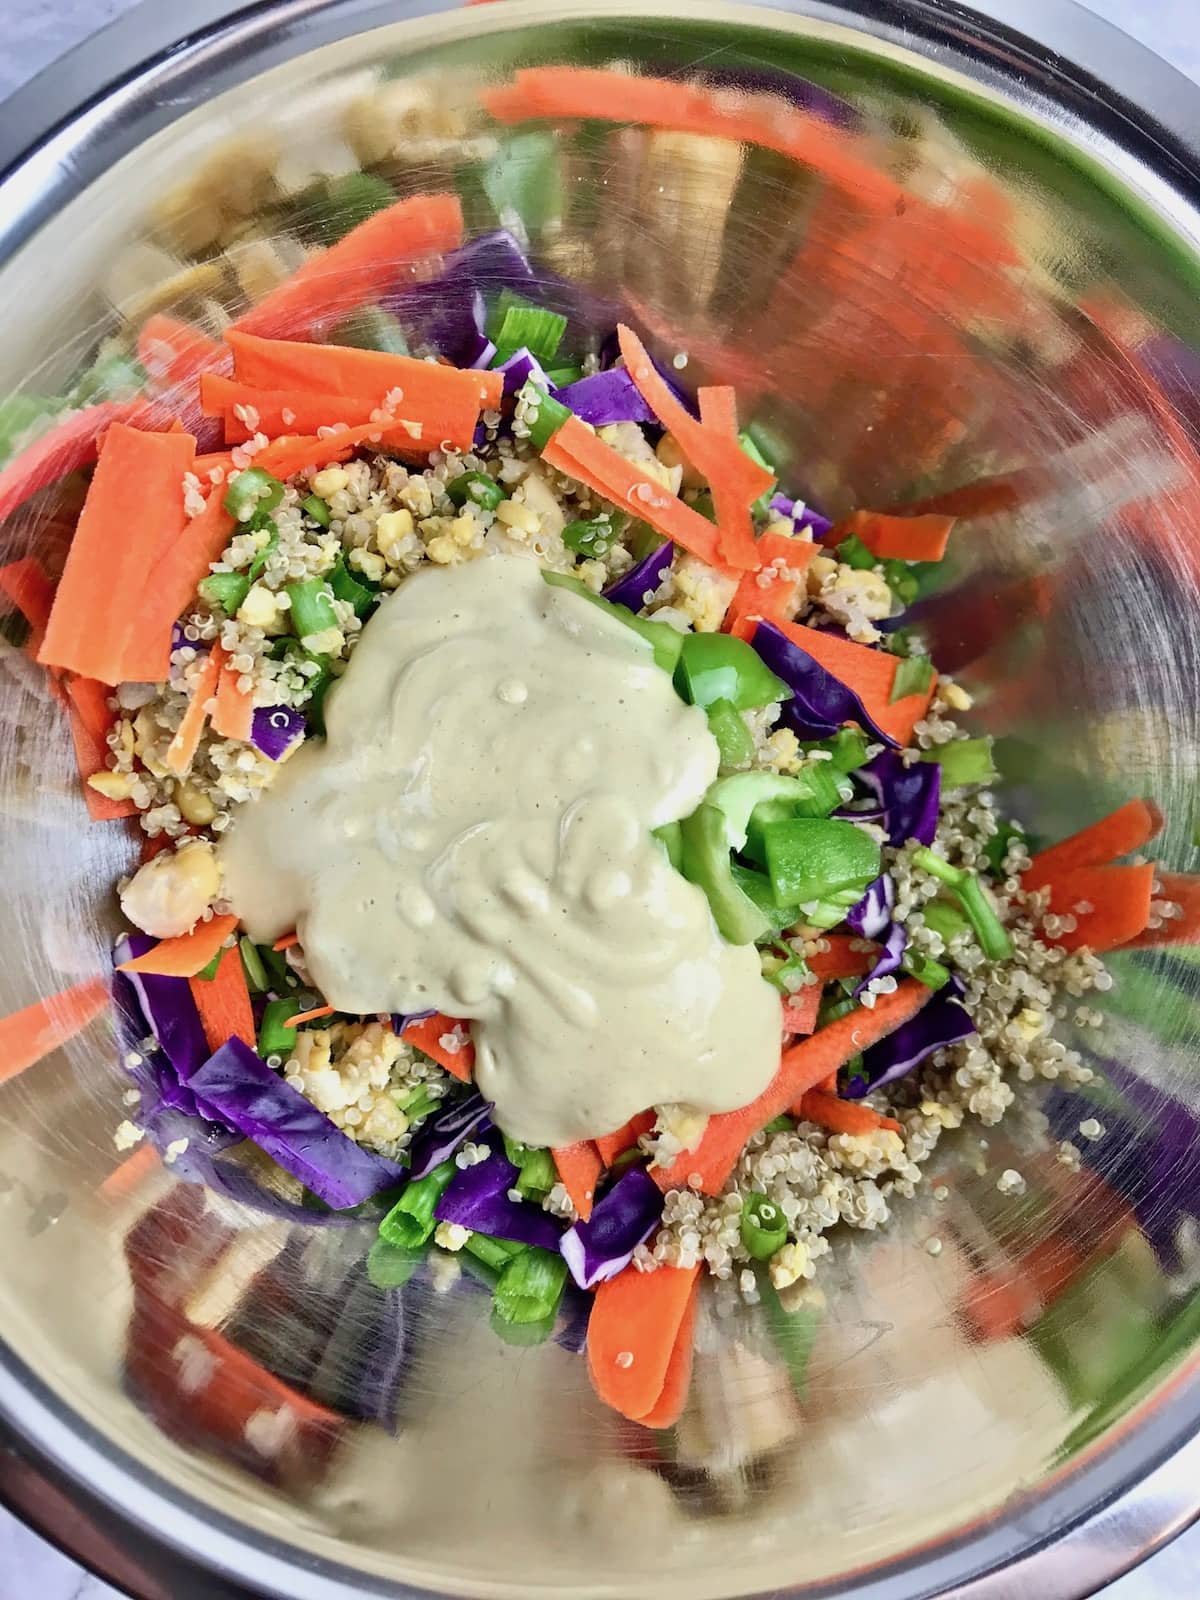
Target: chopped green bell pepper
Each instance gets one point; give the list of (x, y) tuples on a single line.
[(811, 858), (717, 666)]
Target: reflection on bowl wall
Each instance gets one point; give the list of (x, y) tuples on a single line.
[(933, 286)]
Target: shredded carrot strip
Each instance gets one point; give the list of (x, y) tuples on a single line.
[(579, 1167), (1125, 830), (668, 1408), (1119, 898), (186, 955), (632, 1331), (233, 714), (128, 1176), (29, 1035), (612, 1145), (922, 538), (427, 1036), (286, 943), (773, 593), (183, 747), (90, 720), (841, 1116), (800, 1009), (223, 1002), (175, 352), (870, 673), (308, 1016)]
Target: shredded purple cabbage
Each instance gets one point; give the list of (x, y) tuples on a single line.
[(909, 796), (610, 355), (820, 703), (644, 579), (161, 1008), (276, 730), (404, 1019), (478, 1198), (805, 517), (625, 1218), (606, 397), (888, 960), (872, 916), (941, 1021), (248, 1096), (441, 1135), (521, 368)]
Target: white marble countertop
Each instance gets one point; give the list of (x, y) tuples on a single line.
[(35, 32)]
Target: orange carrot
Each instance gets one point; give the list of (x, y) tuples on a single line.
[(427, 1036), (233, 714), (577, 451), (612, 1145), (579, 1167), (870, 673), (186, 742), (1183, 890), (172, 584), (69, 444), (711, 445), (635, 1320), (124, 1179), (287, 941), (800, 1009), (892, 538), (286, 456), (840, 1116), (1120, 902), (803, 1066), (843, 959), (90, 720), (175, 352), (773, 593), (359, 268), (667, 1409), (1127, 829), (185, 956), (29, 1035), (31, 591), (223, 1002), (308, 1016), (133, 508)]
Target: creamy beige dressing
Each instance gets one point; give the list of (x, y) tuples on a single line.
[(474, 836)]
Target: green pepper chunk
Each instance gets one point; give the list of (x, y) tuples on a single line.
[(756, 886), (411, 1222), (963, 761), (763, 1227), (914, 674), (852, 552), (316, 508), (718, 666), (705, 862), (670, 836), (590, 538), (665, 641), (734, 741), (477, 488), (224, 591), (346, 586), (252, 493), (275, 1037), (312, 607), (811, 858)]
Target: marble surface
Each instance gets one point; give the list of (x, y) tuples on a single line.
[(35, 32)]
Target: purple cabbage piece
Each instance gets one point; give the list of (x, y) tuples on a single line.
[(610, 354), (606, 397), (872, 916), (246, 1094), (820, 703), (888, 960), (805, 517), (941, 1021), (909, 796), (639, 581), (444, 1133), (403, 1019), (523, 367), (276, 731), (798, 92), (574, 1310), (166, 1008), (478, 1198), (492, 262), (625, 1218)]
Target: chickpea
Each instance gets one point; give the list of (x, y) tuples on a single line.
[(194, 805), (167, 896)]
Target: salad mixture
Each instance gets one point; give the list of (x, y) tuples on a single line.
[(557, 842)]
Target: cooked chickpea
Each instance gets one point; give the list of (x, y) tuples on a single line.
[(169, 895), (194, 805)]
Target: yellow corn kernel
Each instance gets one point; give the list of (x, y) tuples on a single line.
[(113, 785), (329, 481)]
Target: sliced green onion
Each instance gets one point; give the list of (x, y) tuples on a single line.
[(999, 844), (811, 858), (835, 1010), (209, 971), (252, 965), (410, 1222), (224, 591), (718, 666), (530, 1286), (560, 377), (372, 328), (114, 375), (259, 565), (549, 418), (275, 1037), (914, 674), (494, 1253), (763, 1227), (595, 537), (478, 488), (346, 586), (794, 1332), (524, 180), (316, 508), (390, 1266), (963, 760), (728, 728), (945, 919), (280, 976), (251, 493), (852, 552), (312, 607), (981, 914), (783, 1124), (627, 1158), (531, 327), (902, 581), (925, 969), (538, 1175), (750, 445), (522, 1334), (785, 973), (417, 1103)]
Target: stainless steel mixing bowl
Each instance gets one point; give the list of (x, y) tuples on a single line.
[(934, 255)]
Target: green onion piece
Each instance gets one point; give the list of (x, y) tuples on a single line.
[(938, 867), (390, 1266), (560, 377), (627, 1158), (794, 1332), (531, 327), (530, 1286), (224, 591), (372, 328), (256, 974), (848, 747), (258, 566), (252, 492), (417, 1103), (914, 674), (750, 445), (524, 180), (349, 200), (477, 488), (209, 972), (280, 976), (346, 586), (963, 760), (831, 910), (785, 973), (706, 863), (538, 1175), (852, 552), (670, 836), (835, 1010), (972, 897), (18, 414), (734, 741), (312, 607), (594, 537), (316, 508), (998, 845), (494, 1253), (942, 917), (718, 666), (782, 1124), (550, 415), (811, 858), (522, 1334), (410, 1222), (275, 1038), (665, 641), (763, 1227), (925, 969), (902, 581), (113, 375)]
